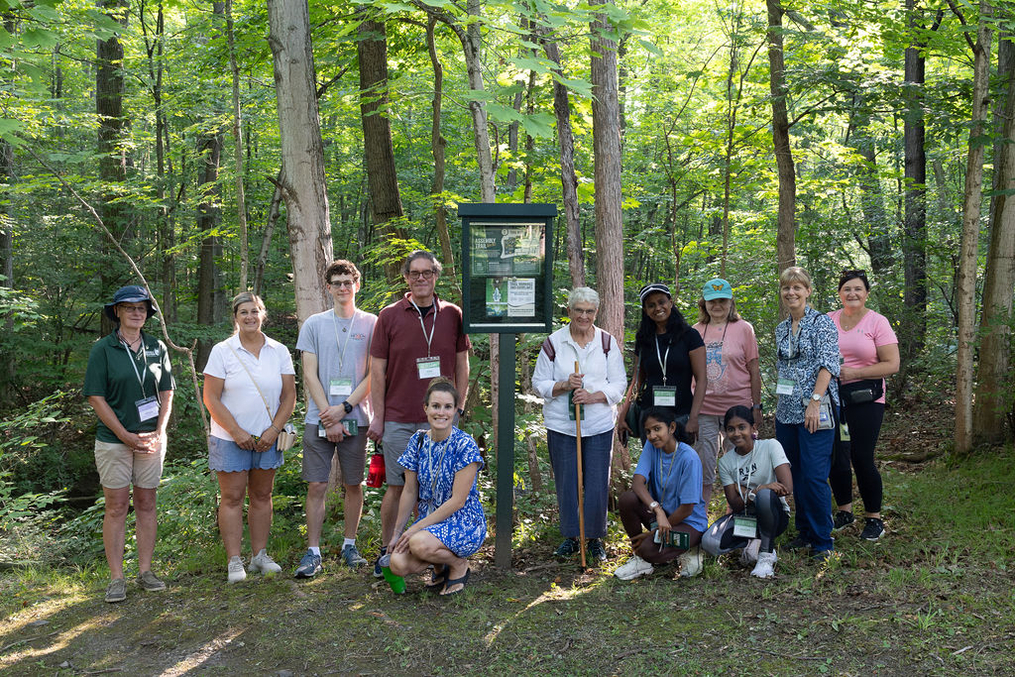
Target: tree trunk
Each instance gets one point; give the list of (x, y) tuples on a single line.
[(607, 154), (303, 186), (472, 42), (269, 231), (966, 286), (609, 214), (914, 241), (109, 93), (994, 370), (568, 178), (437, 144), (241, 200), (210, 294), (378, 149), (786, 234), (7, 359)]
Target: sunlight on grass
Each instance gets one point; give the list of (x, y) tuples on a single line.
[(61, 640), (194, 660)]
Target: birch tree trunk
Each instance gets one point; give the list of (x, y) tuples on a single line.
[(994, 369), (302, 176), (971, 234)]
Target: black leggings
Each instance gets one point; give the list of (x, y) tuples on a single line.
[(864, 422)]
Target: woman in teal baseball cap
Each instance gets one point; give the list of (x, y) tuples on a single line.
[(731, 362)]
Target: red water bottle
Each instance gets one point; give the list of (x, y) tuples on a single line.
[(376, 477)]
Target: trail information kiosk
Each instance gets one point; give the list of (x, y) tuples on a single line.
[(507, 289)]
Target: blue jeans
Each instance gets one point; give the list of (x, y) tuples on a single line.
[(810, 459), (597, 452)]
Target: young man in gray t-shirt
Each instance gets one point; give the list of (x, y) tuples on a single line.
[(335, 348)]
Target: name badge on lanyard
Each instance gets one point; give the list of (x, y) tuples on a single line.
[(147, 408), (340, 387), (664, 396), (428, 367), (745, 527), (785, 386)]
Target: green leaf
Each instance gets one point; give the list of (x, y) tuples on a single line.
[(651, 47), (538, 125), (9, 129), (502, 113)]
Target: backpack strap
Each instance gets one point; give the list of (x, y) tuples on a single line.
[(605, 338), (548, 348)]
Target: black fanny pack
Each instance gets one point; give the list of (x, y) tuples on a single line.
[(862, 392)]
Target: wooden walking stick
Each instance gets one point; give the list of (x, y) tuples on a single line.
[(581, 482)]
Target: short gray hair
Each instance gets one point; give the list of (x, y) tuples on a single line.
[(582, 295), (421, 254)]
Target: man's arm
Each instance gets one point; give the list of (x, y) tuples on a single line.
[(378, 372)]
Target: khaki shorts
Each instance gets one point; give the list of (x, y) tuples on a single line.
[(120, 467), (395, 439)]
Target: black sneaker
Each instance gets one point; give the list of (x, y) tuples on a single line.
[(596, 550), (798, 543), (873, 529), (377, 567), (567, 548), (842, 520)]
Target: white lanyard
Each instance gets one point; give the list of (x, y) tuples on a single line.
[(429, 338), (664, 357), (341, 348), (133, 361), (663, 483), (750, 473)]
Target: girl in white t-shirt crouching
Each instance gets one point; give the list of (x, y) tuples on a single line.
[(756, 478)]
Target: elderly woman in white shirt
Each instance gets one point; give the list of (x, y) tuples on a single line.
[(597, 385), (250, 391)]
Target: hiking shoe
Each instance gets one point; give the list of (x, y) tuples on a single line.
[(691, 562), (567, 548), (149, 582), (117, 590), (352, 557), (596, 550), (798, 543), (263, 562), (749, 555), (873, 529), (841, 520), (309, 566), (823, 555), (235, 570), (633, 568), (765, 568)]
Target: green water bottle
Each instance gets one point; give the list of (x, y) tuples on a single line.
[(397, 583)]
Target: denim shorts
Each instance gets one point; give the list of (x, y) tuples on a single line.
[(226, 456)]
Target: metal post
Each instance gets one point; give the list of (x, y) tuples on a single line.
[(506, 452)]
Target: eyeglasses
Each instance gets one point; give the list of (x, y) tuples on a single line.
[(421, 274), (584, 311), (342, 283), (137, 310)]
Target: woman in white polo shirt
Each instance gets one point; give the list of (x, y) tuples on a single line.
[(250, 391)]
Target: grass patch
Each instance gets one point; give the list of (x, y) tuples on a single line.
[(933, 597)]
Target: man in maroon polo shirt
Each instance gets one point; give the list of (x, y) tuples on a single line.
[(416, 339)]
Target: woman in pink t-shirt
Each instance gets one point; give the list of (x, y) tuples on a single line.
[(870, 351), (731, 364)]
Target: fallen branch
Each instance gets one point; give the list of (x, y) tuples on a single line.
[(26, 640)]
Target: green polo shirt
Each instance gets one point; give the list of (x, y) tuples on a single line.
[(111, 375)]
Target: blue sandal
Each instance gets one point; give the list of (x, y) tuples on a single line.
[(456, 581)]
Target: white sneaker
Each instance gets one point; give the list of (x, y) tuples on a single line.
[(633, 568), (263, 562), (691, 562), (749, 555), (235, 569), (765, 568)]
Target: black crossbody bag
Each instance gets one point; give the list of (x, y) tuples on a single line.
[(862, 392)]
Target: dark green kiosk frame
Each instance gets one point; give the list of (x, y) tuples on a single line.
[(507, 289)]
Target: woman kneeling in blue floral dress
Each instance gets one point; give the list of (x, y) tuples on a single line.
[(441, 465)]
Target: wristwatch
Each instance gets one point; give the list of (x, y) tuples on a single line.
[(653, 505), (815, 397), (461, 412), (348, 407), (758, 406)]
